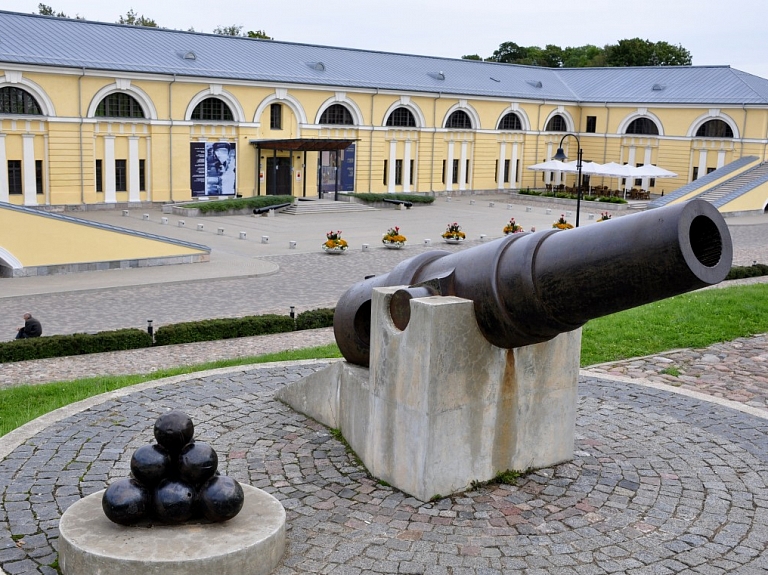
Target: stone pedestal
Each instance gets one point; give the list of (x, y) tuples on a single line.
[(251, 543), (441, 407)]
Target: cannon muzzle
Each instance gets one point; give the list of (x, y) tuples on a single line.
[(529, 287)]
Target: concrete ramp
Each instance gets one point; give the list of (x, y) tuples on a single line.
[(34, 242)]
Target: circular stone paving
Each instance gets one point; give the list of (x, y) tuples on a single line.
[(660, 483)]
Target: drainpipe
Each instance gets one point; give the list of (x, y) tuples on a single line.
[(434, 135), (170, 138), (370, 149), (80, 110)]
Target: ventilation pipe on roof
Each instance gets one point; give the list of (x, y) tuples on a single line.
[(535, 83), (658, 87)]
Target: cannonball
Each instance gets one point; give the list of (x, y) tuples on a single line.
[(173, 501), (173, 430), (197, 463), (126, 501), (150, 464), (221, 498)]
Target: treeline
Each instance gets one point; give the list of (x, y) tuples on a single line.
[(628, 52)]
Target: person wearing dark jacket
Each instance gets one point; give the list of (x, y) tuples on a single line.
[(32, 328)]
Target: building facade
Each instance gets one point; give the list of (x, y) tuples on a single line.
[(94, 113)]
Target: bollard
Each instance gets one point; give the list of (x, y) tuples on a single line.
[(482, 237), (448, 199), (591, 216), (549, 210), (471, 202), (528, 208), (220, 231), (200, 227), (264, 239), (182, 223), (292, 244), (125, 213), (145, 217), (365, 247), (427, 242), (242, 235), (509, 206), (491, 204), (164, 220)]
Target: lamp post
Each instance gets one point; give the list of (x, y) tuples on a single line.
[(560, 155)]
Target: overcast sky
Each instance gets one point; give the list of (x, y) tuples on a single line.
[(716, 32)]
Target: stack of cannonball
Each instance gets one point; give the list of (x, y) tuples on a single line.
[(174, 480)]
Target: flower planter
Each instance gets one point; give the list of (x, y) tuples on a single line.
[(335, 250), (453, 240), (393, 245)]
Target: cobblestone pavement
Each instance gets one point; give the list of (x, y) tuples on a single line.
[(660, 483)]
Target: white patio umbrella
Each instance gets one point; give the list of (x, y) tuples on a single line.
[(549, 166), (587, 168), (651, 171)]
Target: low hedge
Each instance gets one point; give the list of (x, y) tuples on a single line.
[(224, 328), (414, 198), (239, 203), (753, 271), (75, 344), (315, 318)]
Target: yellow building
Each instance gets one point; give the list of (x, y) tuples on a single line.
[(95, 113)]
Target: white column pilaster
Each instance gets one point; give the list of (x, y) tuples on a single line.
[(449, 169), (647, 162), (3, 171), (463, 167), (110, 195), (407, 167), (133, 167), (500, 168), (720, 158), (702, 163), (28, 182), (630, 182), (513, 167)]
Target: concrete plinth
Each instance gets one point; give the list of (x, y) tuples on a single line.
[(441, 407), (252, 543)]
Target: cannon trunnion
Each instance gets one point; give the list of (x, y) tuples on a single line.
[(528, 288)]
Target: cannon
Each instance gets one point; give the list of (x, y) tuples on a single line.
[(529, 287)]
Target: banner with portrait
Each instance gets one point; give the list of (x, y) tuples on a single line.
[(213, 168)]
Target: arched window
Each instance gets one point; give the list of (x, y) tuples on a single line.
[(459, 120), (336, 114), (119, 105), (557, 124), (401, 118), (213, 109), (643, 126), (510, 121), (18, 101), (714, 129)]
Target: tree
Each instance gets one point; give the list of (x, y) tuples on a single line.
[(45, 10), (587, 56), (471, 57), (639, 52), (133, 19), (236, 30)]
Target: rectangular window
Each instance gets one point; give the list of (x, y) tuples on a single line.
[(638, 181), (466, 173), (398, 172), (591, 124), (506, 171), (710, 170), (121, 175), (386, 173), (443, 174), (411, 174), (455, 171), (99, 177), (517, 169), (14, 177), (695, 172), (276, 116), (142, 176), (39, 176)]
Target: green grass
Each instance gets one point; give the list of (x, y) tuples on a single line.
[(23, 403), (692, 320)]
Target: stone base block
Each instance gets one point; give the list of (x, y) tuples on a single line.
[(252, 543)]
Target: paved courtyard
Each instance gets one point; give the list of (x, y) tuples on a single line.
[(668, 476)]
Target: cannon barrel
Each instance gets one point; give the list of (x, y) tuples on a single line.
[(529, 287)]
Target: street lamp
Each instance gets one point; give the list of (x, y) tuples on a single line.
[(560, 156)]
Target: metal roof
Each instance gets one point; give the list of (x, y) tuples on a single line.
[(49, 41)]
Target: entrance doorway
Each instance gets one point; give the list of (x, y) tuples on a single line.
[(279, 176)]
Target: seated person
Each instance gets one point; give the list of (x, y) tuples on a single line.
[(32, 328)]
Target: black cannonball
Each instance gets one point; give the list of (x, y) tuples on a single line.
[(173, 501), (126, 501), (197, 463), (173, 430), (150, 464), (221, 498)]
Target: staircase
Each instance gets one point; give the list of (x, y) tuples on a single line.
[(309, 207), (731, 189)]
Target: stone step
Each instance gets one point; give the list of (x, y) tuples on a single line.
[(325, 207)]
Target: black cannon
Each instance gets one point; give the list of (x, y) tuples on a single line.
[(265, 209), (529, 287), (405, 203)]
